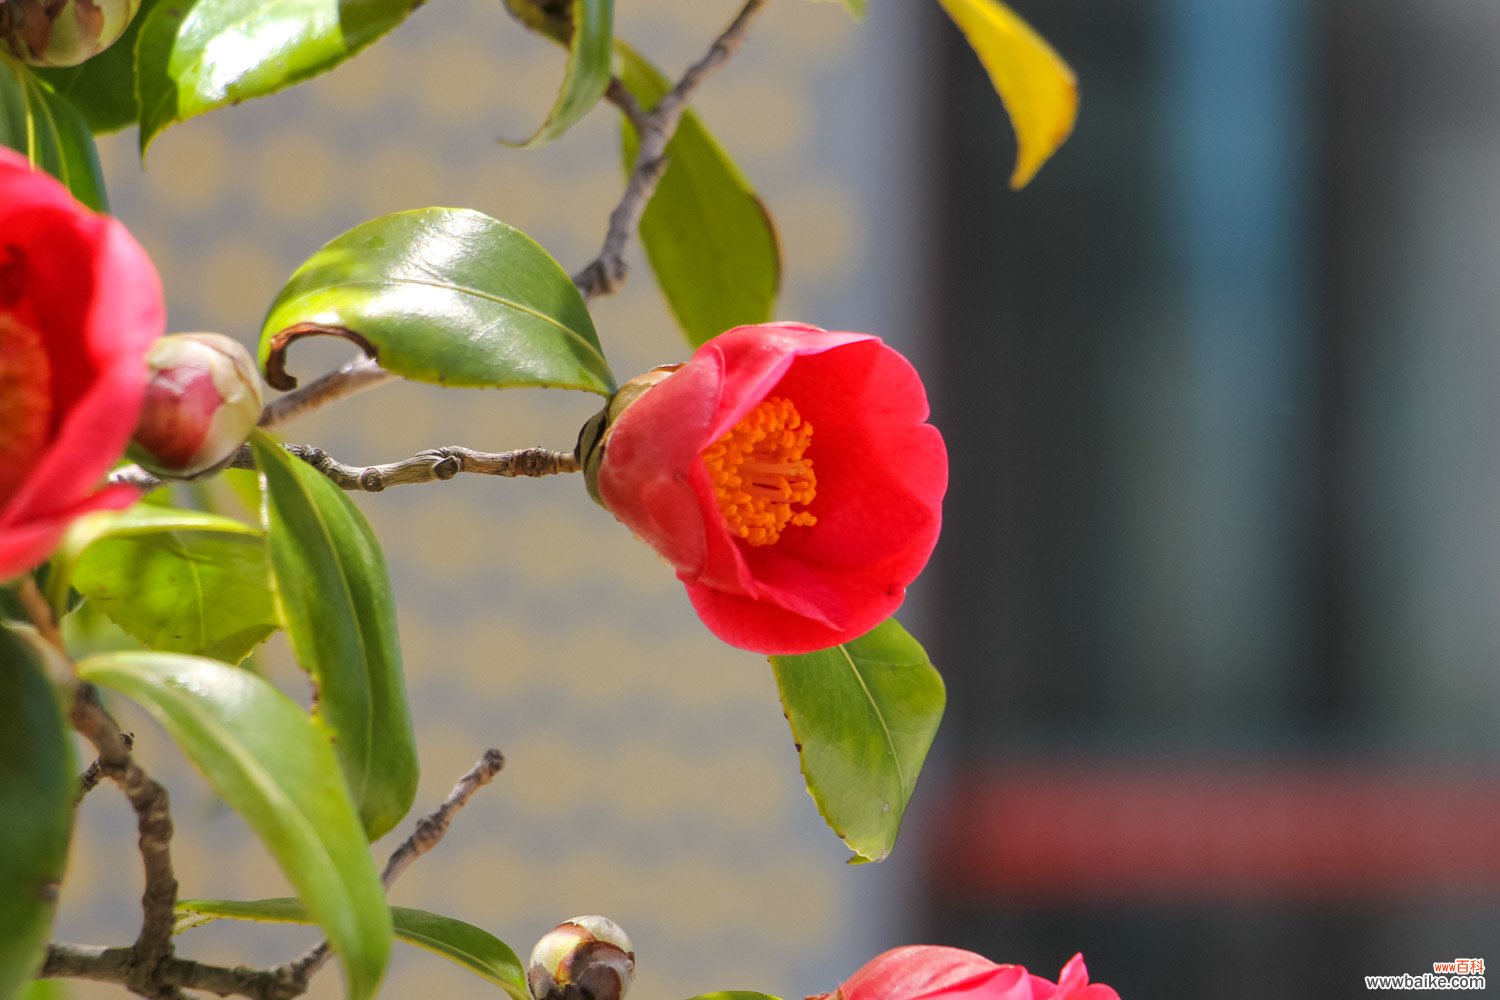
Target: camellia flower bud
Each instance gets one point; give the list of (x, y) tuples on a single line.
[(202, 401), (63, 32), (585, 958)]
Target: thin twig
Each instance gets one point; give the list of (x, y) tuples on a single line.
[(354, 377), (154, 823), (428, 833), (170, 974), (606, 272), (432, 465), (115, 965), (437, 464), (40, 612), (622, 98), (94, 773)]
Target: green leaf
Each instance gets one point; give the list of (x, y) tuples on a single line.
[(51, 132), (734, 995), (863, 716), (201, 592), (336, 603), (708, 236), (475, 949), (589, 40), (1037, 88), (103, 88), (274, 767), (134, 522), (38, 777), (45, 989), (442, 295), (197, 55)]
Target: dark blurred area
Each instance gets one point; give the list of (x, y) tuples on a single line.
[(1221, 573)]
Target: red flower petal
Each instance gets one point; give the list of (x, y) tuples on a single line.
[(83, 283), (881, 473), (931, 972)]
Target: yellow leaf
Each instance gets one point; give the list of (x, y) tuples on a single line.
[(1039, 90)]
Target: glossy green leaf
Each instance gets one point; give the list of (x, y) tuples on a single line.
[(38, 777), (103, 88), (336, 603), (275, 767), (1037, 88), (708, 236), (863, 716), (734, 995), (197, 55), (475, 949), (35, 121), (201, 592), (442, 295), (137, 521), (590, 37)]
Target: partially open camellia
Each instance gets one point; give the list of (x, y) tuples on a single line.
[(787, 473), (80, 304), (932, 972)]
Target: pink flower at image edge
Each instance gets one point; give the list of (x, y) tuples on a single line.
[(790, 477), (80, 303), (934, 972)]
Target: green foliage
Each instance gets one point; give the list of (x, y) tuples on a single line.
[(135, 522), (38, 776), (275, 767), (462, 943), (201, 592), (590, 38), (447, 296), (863, 715), (336, 603), (734, 995), (45, 989), (34, 120), (197, 55), (708, 236), (103, 88)]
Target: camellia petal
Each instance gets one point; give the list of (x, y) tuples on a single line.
[(789, 476), (79, 286), (933, 972)]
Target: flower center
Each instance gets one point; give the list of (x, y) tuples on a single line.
[(25, 400), (759, 472)]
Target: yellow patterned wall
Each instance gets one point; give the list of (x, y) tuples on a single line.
[(651, 776)]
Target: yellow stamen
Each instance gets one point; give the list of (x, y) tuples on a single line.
[(759, 472)]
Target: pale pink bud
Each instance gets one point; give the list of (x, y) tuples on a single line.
[(586, 958), (202, 401), (62, 32)]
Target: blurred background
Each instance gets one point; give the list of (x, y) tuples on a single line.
[(1216, 600)]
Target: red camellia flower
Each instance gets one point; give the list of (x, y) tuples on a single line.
[(79, 305), (790, 477), (931, 972)]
